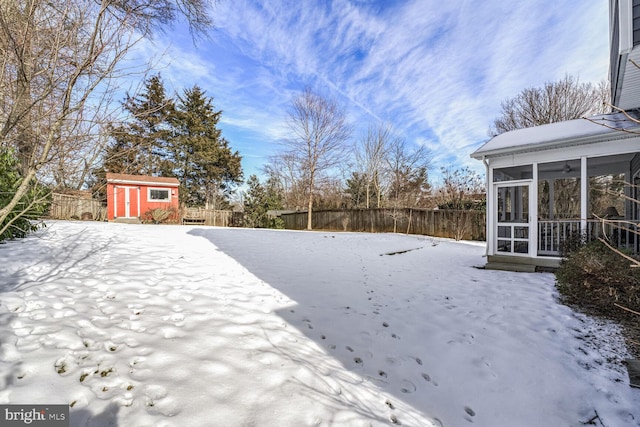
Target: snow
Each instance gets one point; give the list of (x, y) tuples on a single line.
[(141, 325), (606, 126)]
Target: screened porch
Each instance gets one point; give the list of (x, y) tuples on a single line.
[(540, 206)]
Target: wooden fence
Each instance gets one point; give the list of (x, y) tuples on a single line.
[(460, 225), (212, 217), (81, 206), (73, 206)]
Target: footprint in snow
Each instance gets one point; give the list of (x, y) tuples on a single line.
[(111, 347), (349, 348), (469, 414), (427, 378), (407, 387)]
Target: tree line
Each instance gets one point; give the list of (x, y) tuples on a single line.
[(320, 167)]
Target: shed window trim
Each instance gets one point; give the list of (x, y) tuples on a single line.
[(156, 194)]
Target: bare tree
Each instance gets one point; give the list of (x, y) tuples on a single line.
[(406, 173), (461, 192), (371, 153), (319, 132), (282, 169), (565, 99), (58, 58)]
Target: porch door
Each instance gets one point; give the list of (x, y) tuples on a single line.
[(513, 221)]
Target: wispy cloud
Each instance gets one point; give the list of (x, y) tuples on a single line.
[(436, 70)]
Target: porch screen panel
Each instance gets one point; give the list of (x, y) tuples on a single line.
[(559, 201), (513, 204)]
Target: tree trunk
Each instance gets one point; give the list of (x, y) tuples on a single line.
[(310, 207), (368, 195)]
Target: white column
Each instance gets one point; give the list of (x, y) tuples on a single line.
[(491, 208), (533, 213), (551, 198), (584, 194)]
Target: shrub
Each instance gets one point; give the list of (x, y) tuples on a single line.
[(593, 277), (572, 243), (22, 219), (159, 216), (277, 223)]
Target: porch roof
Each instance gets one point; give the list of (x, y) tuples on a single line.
[(600, 128)]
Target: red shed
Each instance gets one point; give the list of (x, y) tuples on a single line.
[(130, 196)]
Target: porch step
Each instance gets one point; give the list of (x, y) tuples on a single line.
[(127, 220), (507, 266)]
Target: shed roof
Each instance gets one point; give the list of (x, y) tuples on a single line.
[(124, 178), (598, 128)]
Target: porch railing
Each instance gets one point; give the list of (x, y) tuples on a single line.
[(619, 233)]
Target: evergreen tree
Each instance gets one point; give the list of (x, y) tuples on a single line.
[(357, 190), (203, 161), (140, 146), (32, 205), (260, 199)]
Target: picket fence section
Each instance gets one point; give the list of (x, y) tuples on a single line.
[(74, 206), (212, 217), (454, 224), (465, 225)]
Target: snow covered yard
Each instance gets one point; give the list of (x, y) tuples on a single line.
[(196, 326)]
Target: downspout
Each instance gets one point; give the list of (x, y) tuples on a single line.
[(486, 190)]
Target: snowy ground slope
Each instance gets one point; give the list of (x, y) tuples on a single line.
[(174, 326)]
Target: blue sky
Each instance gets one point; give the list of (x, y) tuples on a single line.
[(435, 70)]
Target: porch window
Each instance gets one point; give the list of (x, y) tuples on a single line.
[(513, 173), (159, 195)]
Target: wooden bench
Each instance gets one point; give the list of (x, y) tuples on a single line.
[(193, 216)]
